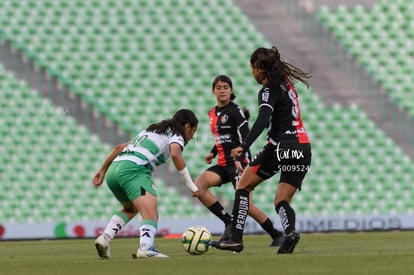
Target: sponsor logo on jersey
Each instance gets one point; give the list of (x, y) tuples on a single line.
[(224, 118), (265, 95)]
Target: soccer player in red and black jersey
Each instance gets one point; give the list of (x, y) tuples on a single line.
[(288, 150), (229, 125)]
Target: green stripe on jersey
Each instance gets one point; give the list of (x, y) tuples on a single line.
[(160, 159), (150, 146), (140, 155)]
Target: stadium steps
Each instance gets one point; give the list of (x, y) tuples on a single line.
[(329, 79)]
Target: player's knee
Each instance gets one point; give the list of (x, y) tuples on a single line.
[(202, 186), (130, 210), (246, 186)]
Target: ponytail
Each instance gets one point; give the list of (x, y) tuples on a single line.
[(175, 124), (246, 112)]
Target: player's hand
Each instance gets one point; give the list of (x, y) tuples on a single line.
[(209, 158), (98, 179), (195, 194), (239, 167), (236, 152)]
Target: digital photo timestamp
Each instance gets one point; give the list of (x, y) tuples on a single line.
[(293, 168)]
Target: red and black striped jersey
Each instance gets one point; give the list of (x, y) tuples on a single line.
[(229, 127)]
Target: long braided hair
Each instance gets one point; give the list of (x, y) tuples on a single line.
[(274, 69), (175, 124)]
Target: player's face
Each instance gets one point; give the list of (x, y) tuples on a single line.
[(256, 74), (222, 91), (190, 131)]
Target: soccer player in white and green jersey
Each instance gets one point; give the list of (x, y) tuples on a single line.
[(128, 169)]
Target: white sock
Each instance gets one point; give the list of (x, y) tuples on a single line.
[(147, 236), (113, 227)]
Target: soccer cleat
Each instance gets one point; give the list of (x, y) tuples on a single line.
[(149, 253), (289, 243), (102, 247), (231, 245), (225, 236), (278, 240)]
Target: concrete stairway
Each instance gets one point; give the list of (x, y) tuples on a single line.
[(284, 26)]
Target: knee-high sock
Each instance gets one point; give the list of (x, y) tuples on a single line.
[(118, 221), (218, 210), (287, 216), (240, 210), (147, 230), (269, 228)]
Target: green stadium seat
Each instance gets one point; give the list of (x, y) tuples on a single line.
[(377, 37)]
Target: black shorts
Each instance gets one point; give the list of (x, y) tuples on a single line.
[(291, 159), (226, 173)]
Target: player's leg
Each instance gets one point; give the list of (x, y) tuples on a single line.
[(291, 179), (287, 216), (260, 169), (144, 197), (119, 219), (261, 218), (147, 207), (210, 178), (248, 181)]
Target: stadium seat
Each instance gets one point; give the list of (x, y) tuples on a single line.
[(378, 38)]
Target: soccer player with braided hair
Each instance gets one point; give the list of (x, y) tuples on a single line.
[(287, 151)]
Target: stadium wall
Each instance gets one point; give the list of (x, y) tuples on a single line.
[(173, 226)]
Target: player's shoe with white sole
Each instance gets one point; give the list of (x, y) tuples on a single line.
[(103, 247), (149, 253)]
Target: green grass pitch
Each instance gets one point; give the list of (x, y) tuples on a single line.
[(328, 253)]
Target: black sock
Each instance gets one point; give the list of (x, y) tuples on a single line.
[(240, 210), (268, 227), (287, 216), (218, 210)]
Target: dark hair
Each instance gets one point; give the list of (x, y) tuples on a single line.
[(175, 124), (275, 70), (246, 112), (225, 79)]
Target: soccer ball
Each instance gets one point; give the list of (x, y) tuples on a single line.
[(196, 240)]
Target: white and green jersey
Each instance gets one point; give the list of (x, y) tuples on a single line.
[(150, 148)]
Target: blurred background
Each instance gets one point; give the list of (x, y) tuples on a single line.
[(78, 77)]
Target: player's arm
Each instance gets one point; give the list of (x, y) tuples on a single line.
[(100, 175), (243, 131), (262, 120), (211, 155), (179, 163), (214, 151)]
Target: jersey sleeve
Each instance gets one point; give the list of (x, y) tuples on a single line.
[(266, 102), (267, 98), (214, 150), (241, 121), (259, 125), (177, 139)]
